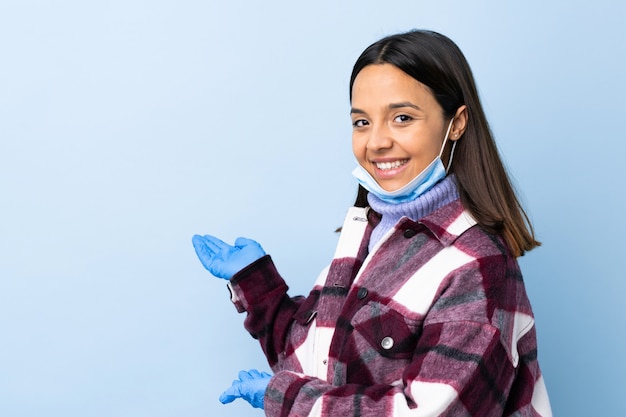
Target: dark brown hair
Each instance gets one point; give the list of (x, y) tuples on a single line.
[(484, 185)]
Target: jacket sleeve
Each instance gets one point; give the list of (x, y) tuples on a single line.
[(260, 291)]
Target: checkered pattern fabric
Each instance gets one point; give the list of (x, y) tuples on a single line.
[(435, 321)]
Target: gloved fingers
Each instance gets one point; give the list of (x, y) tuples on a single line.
[(252, 375), (244, 241), (232, 393), (247, 375), (204, 253), (255, 374), (215, 244), (201, 247)]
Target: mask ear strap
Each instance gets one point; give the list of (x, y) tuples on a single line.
[(451, 155), (445, 139)]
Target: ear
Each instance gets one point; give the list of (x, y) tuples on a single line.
[(459, 124)]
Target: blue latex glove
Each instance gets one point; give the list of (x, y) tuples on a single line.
[(224, 260), (250, 386)]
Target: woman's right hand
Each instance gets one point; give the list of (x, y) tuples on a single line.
[(250, 386), (223, 260)]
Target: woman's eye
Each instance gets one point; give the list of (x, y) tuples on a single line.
[(359, 123), (403, 118)]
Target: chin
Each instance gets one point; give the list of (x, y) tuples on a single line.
[(393, 187)]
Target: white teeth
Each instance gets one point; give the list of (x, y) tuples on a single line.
[(389, 165)]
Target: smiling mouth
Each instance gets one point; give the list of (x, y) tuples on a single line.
[(386, 166)]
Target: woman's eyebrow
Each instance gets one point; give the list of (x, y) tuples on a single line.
[(355, 110), (404, 104), (391, 106)]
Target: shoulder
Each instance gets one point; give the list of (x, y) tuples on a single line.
[(454, 226), (495, 268), (487, 277), (488, 289)]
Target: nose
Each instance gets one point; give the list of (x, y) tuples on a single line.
[(379, 138)]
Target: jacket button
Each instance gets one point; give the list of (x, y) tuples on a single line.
[(387, 343), (409, 233), (362, 293)]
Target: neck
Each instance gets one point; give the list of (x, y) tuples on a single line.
[(442, 193)]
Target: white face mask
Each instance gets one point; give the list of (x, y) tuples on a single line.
[(423, 182)]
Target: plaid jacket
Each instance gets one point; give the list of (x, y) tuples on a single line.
[(435, 321)]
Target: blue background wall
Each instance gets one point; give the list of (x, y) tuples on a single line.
[(127, 126)]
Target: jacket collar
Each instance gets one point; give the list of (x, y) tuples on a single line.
[(449, 222)]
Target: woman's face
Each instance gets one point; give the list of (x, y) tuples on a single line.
[(398, 126)]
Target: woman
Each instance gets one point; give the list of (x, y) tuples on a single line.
[(423, 310)]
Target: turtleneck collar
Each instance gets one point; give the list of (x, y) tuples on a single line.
[(442, 193)]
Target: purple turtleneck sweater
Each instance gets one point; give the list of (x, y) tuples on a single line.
[(442, 193)]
